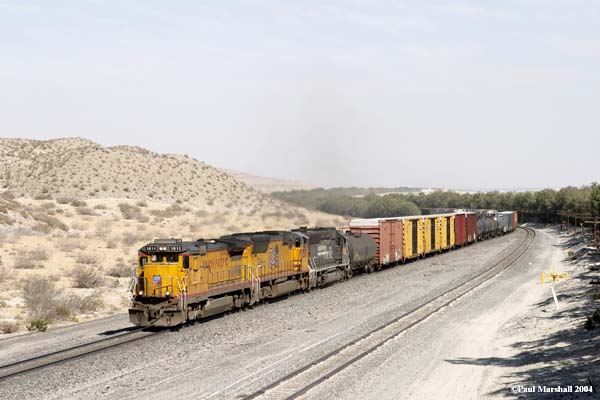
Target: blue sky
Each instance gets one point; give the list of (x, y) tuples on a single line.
[(466, 94)]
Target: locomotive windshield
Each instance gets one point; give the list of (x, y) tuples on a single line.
[(164, 257)]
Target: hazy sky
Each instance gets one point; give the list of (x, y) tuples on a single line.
[(488, 94)]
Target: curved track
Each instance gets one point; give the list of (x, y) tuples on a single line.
[(59, 356), (299, 382)]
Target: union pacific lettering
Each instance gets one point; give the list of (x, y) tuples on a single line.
[(218, 262)]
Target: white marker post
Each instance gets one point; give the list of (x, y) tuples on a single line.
[(555, 299)]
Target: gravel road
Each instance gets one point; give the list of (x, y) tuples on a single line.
[(241, 352)]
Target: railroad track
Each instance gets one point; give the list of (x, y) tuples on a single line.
[(299, 382), (70, 353)]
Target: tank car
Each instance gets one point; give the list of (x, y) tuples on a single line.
[(487, 225)]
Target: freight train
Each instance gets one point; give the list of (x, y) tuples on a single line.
[(178, 281)]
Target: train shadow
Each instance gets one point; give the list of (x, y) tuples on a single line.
[(122, 330)]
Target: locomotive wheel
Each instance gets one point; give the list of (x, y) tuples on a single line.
[(348, 272)]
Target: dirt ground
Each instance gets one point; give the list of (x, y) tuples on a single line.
[(548, 347)]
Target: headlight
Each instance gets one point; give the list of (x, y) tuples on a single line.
[(167, 293), (141, 292)]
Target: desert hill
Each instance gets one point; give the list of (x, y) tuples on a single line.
[(80, 168)]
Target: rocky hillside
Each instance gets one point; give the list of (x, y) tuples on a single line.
[(82, 169)]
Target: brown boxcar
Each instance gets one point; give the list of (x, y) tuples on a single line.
[(387, 233), (515, 220), (471, 223), (460, 229)]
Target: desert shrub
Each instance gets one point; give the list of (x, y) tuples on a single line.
[(69, 306), (70, 244), (39, 294), (86, 259), (78, 203), (141, 203), (43, 228), (132, 212), (85, 304), (86, 277), (62, 310), (9, 326), (85, 211), (30, 259), (201, 213), (169, 212), (4, 272), (43, 196), (47, 206), (100, 207), (103, 230), (38, 324), (38, 254), (129, 239), (111, 244), (49, 220), (120, 270)]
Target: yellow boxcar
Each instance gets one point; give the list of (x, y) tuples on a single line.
[(427, 236), (407, 239), (450, 231), (443, 235), (413, 237)]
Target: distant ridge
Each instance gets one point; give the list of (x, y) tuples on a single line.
[(269, 185)]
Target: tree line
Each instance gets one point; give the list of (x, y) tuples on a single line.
[(543, 205)]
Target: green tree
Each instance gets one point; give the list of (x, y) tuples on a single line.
[(595, 199)]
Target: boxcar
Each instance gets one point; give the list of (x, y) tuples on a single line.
[(505, 220), (460, 229), (388, 235), (471, 223)]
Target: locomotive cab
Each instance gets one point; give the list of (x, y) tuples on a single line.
[(160, 267), (160, 283)]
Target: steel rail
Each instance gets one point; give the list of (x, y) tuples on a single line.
[(56, 357)]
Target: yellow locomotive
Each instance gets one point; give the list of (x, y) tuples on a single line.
[(178, 281)]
